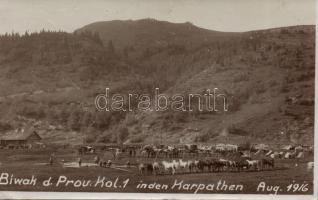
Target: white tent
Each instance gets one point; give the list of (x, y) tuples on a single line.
[(262, 146)]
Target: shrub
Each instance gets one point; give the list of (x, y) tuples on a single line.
[(138, 139), (203, 137), (5, 126), (107, 137), (122, 134), (90, 138), (180, 116), (130, 120), (241, 77)]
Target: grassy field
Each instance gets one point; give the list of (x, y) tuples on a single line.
[(25, 163)]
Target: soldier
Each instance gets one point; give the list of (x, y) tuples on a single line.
[(128, 164), (51, 160), (96, 159), (79, 161)]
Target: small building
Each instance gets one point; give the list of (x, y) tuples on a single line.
[(20, 138)]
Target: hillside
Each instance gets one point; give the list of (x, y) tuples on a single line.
[(150, 34), (50, 79)]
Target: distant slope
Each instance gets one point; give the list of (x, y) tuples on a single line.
[(54, 77), (149, 33)]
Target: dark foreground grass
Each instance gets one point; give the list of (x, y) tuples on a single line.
[(23, 165)]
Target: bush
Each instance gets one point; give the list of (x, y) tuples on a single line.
[(107, 137), (122, 134), (138, 139), (241, 77), (5, 126), (180, 116), (130, 120), (90, 139), (204, 137)]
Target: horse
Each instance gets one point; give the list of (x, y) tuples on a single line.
[(215, 165), (298, 148), (96, 159), (290, 155), (183, 164), (109, 163), (268, 163), (145, 168), (269, 153), (231, 147), (143, 153), (208, 164), (156, 168), (232, 165), (191, 166), (172, 152), (141, 168), (117, 153), (258, 152), (200, 165), (102, 163), (241, 164), (274, 155), (300, 155), (310, 166), (176, 165), (169, 166), (157, 152), (149, 151), (128, 164), (253, 163), (224, 164)]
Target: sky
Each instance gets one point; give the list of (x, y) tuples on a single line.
[(220, 15)]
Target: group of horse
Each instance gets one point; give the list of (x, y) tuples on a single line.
[(151, 151), (205, 165), (297, 152)]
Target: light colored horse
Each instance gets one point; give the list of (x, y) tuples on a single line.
[(301, 155), (176, 165), (141, 168), (269, 153), (258, 152), (290, 155), (169, 166), (281, 154), (117, 153), (231, 147), (298, 148), (254, 163), (143, 153), (274, 155), (310, 166), (183, 164), (220, 148), (156, 168)]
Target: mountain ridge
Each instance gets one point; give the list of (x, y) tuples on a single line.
[(267, 74)]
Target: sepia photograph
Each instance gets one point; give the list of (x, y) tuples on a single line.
[(171, 97)]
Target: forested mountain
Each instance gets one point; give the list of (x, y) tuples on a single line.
[(50, 79)]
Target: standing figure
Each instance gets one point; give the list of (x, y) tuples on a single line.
[(96, 159), (79, 161), (51, 160)]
